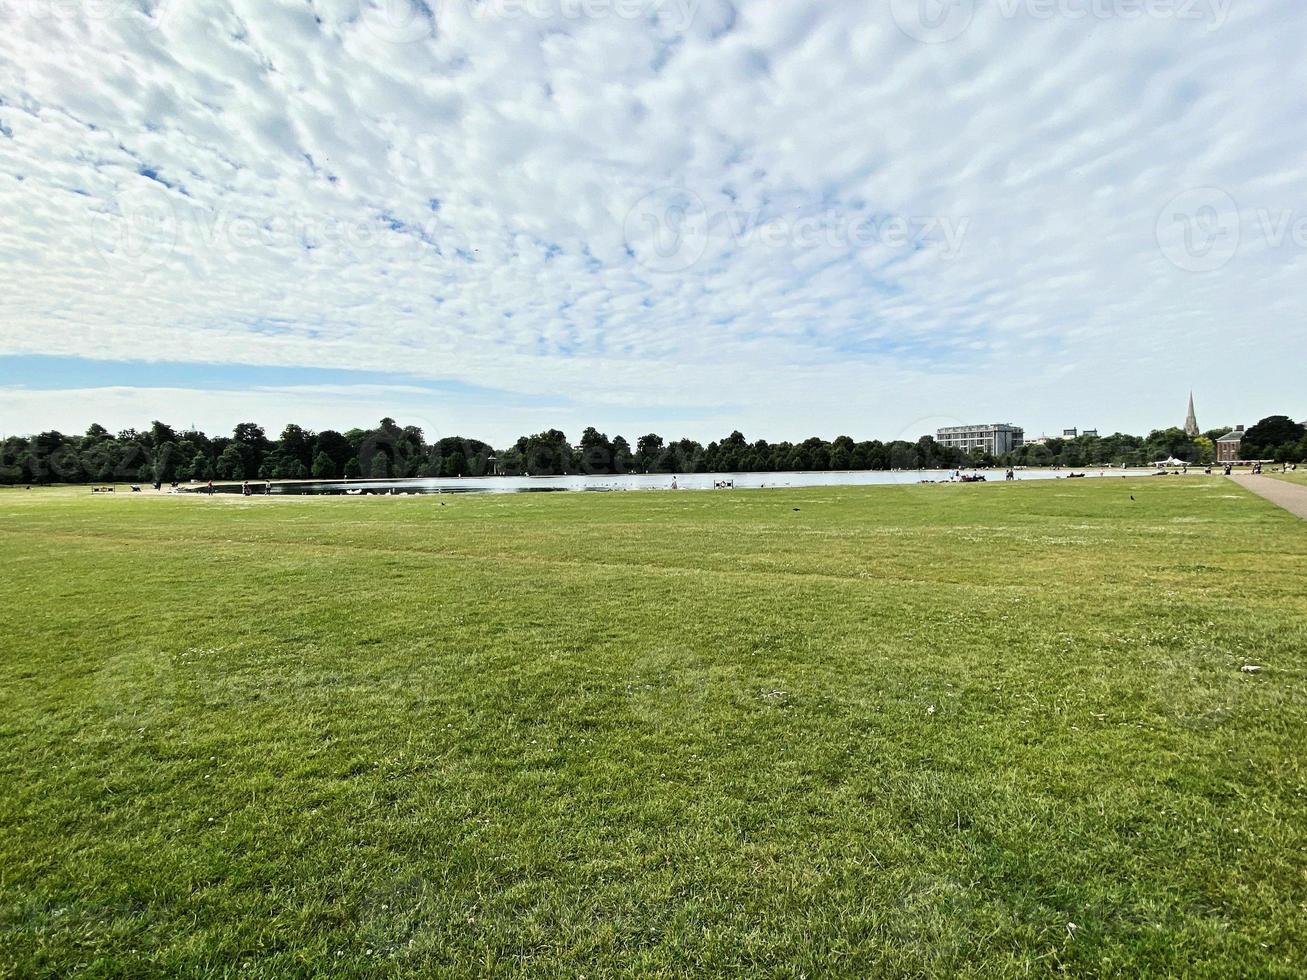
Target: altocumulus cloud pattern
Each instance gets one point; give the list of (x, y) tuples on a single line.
[(691, 213)]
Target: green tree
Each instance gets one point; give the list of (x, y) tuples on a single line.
[(231, 463), (736, 442), (595, 452), (818, 452), (903, 455), (648, 449), (201, 467), (1272, 437), (252, 444), (623, 458), (167, 459), (841, 452), (546, 453), (930, 454), (1162, 443), (453, 463), (161, 433), (336, 447), (877, 455), (324, 467), (684, 456), (132, 462), (295, 444)]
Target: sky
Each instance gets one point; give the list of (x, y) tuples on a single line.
[(493, 217)]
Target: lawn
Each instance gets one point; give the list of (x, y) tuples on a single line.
[(912, 730), (1297, 476)]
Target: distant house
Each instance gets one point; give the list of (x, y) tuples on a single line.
[(1229, 445)]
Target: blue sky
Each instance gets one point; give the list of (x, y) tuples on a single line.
[(684, 216), (43, 372)]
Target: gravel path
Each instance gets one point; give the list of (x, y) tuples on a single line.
[(1290, 496)]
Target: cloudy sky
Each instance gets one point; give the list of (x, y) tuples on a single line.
[(488, 217)]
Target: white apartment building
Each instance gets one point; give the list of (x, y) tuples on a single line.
[(996, 438)]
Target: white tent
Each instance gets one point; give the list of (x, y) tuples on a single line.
[(1170, 461)]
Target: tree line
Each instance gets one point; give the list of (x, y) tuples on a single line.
[(163, 454), (1277, 437)]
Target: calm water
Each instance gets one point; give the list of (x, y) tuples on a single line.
[(647, 481)]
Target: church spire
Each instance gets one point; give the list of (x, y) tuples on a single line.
[(1191, 421)]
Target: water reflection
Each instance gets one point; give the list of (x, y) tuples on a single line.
[(646, 481)]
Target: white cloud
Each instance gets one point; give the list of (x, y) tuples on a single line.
[(338, 184)]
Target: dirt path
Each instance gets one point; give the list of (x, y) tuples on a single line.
[(1290, 496)]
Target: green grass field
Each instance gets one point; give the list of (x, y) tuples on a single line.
[(1297, 476), (921, 730)]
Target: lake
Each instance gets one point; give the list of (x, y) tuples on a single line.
[(648, 481)]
